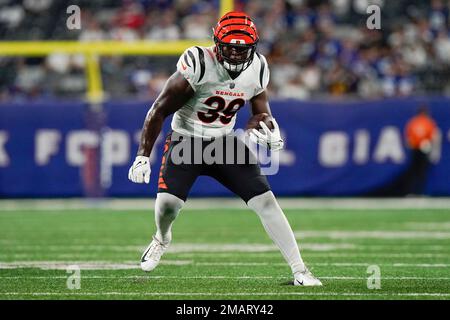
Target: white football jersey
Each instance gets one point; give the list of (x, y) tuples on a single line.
[(211, 112)]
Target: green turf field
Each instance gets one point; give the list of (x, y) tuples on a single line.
[(224, 254)]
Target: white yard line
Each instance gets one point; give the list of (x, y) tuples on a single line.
[(185, 247), (386, 247), (217, 277), (372, 234), (243, 247), (436, 226), (333, 264), (84, 265), (422, 265), (255, 255), (105, 265), (319, 254), (80, 245), (225, 203), (224, 294)]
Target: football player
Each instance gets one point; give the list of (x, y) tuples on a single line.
[(210, 85)]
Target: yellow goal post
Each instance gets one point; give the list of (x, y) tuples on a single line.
[(92, 50)]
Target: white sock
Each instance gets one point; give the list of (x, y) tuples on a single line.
[(167, 207), (278, 228)]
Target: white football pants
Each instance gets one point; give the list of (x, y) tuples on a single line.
[(278, 228), (167, 207)]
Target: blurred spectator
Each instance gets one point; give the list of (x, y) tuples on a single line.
[(128, 21), (130, 16), (442, 47), (91, 31), (157, 83), (29, 79), (12, 16), (339, 80), (439, 15), (198, 26), (311, 76), (165, 28), (294, 89), (37, 6)]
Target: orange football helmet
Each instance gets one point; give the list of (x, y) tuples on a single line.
[(236, 37)]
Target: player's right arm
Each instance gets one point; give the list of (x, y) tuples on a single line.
[(176, 92)]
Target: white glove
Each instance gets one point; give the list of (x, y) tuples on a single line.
[(270, 139), (140, 170)]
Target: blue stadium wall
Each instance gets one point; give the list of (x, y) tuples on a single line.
[(334, 148)]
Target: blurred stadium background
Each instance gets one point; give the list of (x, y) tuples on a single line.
[(73, 101), (316, 49), (365, 113)]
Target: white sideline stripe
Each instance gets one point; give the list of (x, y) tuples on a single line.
[(390, 247), (429, 225), (273, 254), (220, 277), (424, 265), (225, 203), (325, 255), (84, 265), (104, 265), (313, 246), (188, 247), (334, 264), (418, 294), (372, 234)]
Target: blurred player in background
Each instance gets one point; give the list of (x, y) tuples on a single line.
[(204, 94), (421, 133), (420, 136)]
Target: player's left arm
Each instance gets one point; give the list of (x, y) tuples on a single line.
[(269, 135), (260, 104)]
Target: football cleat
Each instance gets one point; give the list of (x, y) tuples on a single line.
[(306, 278), (152, 255)]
